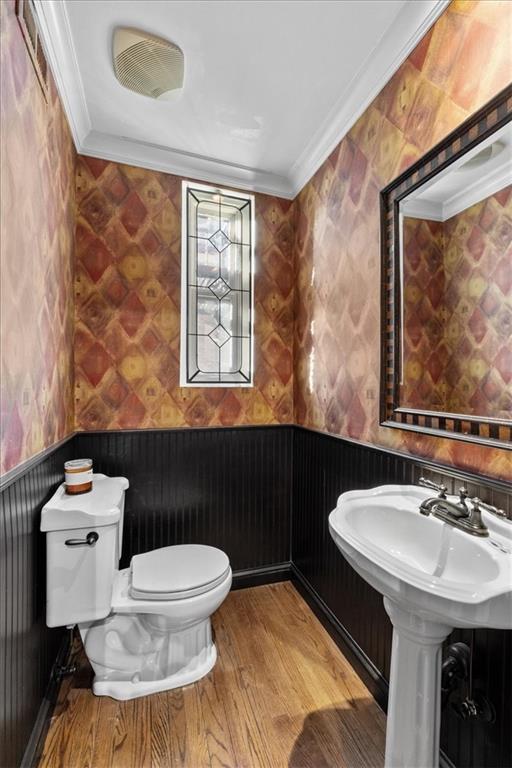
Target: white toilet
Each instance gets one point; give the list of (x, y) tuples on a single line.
[(145, 628)]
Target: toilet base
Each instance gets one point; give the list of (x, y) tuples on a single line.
[(124, 690), (138, 654)]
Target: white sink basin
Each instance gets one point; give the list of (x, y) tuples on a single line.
[(433, 577), (438, 571)]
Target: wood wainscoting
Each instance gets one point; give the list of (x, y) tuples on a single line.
[(263, 495), (281, 695)]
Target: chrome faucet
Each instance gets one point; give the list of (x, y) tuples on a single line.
[(459, 509), (459, 514)]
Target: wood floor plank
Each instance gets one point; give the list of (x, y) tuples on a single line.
[(177, 725), (281, 695), (319, 674), (105, 742), (198, 753), (264, 675), (79, 717), (160, 726), (266, 664), (217, 732), (132, 735), (239, 694)]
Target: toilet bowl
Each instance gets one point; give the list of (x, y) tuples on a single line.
[(145, 628)]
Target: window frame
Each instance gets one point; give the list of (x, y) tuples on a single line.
[(212, 189)]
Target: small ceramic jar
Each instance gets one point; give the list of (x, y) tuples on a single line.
[(78, 476)]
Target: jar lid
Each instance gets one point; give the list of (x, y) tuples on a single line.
[(78, 464)]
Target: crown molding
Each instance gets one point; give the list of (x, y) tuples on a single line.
[(434, 210), (422, 209), (479, 190), (122, 149), (55, 33), (410, 25)]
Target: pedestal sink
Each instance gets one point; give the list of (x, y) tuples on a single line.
[(434, 578)]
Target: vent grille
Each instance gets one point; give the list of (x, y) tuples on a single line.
[(147, 64)]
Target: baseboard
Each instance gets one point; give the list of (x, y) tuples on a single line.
[(445, 762), (35, 743), (256, 577)]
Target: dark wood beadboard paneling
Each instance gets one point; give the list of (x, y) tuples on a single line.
[(233, 488), (229, 488), (324, 467), (28, 648)]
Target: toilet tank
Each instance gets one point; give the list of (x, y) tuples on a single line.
[(83, 547)]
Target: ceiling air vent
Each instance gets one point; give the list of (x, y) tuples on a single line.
[(145, 63)]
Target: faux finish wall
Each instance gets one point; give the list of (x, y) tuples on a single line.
[(463, 61), (423, 330), (36, 234), (127, 281), (458, 310), (128, 250)]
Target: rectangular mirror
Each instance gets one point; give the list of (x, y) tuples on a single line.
[(447, 293)]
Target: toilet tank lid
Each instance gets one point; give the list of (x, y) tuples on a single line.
[(101, 506)]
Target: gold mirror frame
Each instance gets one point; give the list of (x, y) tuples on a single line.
[(475, 429)]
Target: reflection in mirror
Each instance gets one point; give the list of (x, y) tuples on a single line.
[(456, 279)]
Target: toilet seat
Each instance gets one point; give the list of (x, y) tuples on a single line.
[(177, 572)]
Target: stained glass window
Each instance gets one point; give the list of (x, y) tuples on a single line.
[(217, 287)]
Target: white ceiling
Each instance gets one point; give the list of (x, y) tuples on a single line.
[(270, 86)]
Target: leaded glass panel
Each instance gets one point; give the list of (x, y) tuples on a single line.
[(217, 287)]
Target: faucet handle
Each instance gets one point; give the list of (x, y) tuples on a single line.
[(489, 508), (475, 517), (441, 489)]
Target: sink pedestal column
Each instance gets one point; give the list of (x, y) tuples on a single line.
[(414, 708)]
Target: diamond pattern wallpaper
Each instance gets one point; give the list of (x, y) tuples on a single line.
[(464, 60), (458, 310), (317, 286), (127, 299), (36, 237), (423, 382)]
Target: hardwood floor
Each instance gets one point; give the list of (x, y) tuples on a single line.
[(281, 695)]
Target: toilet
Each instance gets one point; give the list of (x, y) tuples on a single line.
[(145, 628)]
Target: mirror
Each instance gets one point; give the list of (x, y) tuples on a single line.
[(456, 274), (447, 296)]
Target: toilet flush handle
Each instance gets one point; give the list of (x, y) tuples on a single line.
[(90, 540)]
